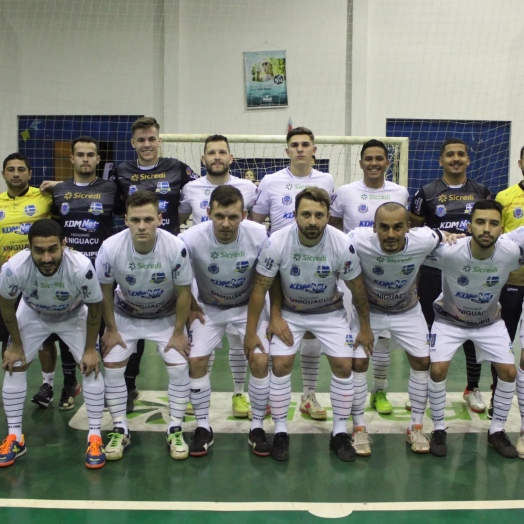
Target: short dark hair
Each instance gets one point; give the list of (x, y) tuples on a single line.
[(226, 195), (373, 143), (215, 138), (16, 156), (317, 194), (85, 139), (300, 131), (142, 198), (487, 204), (450, 141), (521, 152), (45, 227), (143, 123), (391, 207)]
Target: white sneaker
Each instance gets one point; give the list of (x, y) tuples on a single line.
[(118, 442), (361, 441), (419, 442), (178, 449), (311, 406), (520, 446), (475, 400)]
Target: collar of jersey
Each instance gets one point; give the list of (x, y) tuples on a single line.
[(234, 241), (23, 193), (140, 254), (147, 168), (471, 254), (454, 187), (85, 185), (292, 175), (214, 185), (373, 188)]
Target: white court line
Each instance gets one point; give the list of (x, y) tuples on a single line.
[(326, 510)]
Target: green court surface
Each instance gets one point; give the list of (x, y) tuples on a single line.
[(51, 484)]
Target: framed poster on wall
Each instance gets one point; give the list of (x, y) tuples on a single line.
[(265, 79)]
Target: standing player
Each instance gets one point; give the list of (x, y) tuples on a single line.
[(275, 199), (354, 206), (446, 204), (224, 253), (85, 207), (473, 273), (152, 302), (55, 283), (309, 257), (195, 201), (163, 176)]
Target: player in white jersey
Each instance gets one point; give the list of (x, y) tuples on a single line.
[(55, 283), (309, 256), (474, 270), (354, 206), (390, 256), (217, 159), (276, 195), (224, 254), (151, 301)]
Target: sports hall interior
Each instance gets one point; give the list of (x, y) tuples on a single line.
[(435, 68)]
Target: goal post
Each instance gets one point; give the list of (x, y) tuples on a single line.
[(265, 154)]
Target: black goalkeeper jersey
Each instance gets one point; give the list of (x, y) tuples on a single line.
[(86, 213), (448, 208), (166, 179)]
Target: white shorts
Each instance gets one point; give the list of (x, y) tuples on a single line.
[(206, 337), (408, 331), (331, 329), (34, 330), (492, 342), (158, 330)]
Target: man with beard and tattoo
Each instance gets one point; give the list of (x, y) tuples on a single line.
[(217, 159)]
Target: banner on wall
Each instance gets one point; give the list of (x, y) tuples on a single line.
[(265, 79)]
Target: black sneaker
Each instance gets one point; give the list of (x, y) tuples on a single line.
[(341, 445), (437, 444), (280, 448), (44, 397), (490, 409), (67, 398), (132, 395), (258, 441), (201, 441), (500, 441)]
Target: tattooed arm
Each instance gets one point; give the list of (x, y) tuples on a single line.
[(360, 300)]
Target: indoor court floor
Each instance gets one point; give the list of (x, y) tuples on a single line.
[(50, 483)]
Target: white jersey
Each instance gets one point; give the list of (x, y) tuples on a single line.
[(224, 273), (391, 279), (56, 297), (356, 203), (276, 194), (309, 274), (471, 287), (146, 283), (195, 196)]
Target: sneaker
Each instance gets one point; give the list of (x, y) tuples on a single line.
[(11, 449), (44, 397), (417, 439), (407, 405), (341, 445), (311, 406), (475, 400), (437, 444), (490, 409), (189, 409), (67, 398), (178, 449), (132, 395), (240, 406), (280, 447), (268, 412), (500, 441), (380, 403), (118, 442), (361, 441), (201, 441), (258, 441), (95, 453), (520, 446)]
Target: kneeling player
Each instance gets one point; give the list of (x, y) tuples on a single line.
[(152, 300)]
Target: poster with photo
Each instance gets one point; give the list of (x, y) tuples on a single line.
[(265, 79)]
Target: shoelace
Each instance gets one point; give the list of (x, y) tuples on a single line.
[(95, 448), (177, 437), (5, 446), (114, 439)]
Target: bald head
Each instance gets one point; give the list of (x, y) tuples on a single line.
[(391, 226)]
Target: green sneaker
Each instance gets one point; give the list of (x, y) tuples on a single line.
[(118, 442), (178, 449), (380, 403), (240, 406)]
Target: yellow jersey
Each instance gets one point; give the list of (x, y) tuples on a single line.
[(16, 216), (512, 199)]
